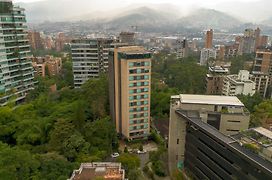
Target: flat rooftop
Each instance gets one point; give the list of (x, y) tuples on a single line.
[(209, 99), (132, 50), (106, 170), (265, 132)]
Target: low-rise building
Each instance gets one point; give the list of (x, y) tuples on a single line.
[(95, 170), (238, 84)]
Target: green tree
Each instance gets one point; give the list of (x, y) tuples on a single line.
[(16, 163), (54, 166), (129, 161)]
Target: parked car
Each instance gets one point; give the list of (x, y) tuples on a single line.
[(141, 152), (115, 155)]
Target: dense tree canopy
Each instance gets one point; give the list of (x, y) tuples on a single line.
[(49, 136), (171, 76)]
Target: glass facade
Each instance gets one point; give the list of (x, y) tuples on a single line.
[(16, 71)]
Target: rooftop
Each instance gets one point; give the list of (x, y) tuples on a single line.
[(264, 132), (106, 170), (257, 140), (209, 99), (218, 69), (230, 141)]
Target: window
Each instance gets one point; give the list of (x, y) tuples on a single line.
[(177, 141), (147, 63), (131, 78)]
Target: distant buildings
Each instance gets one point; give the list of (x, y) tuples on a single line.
[(183, 52), (215, 80), (130, 89), (99, 170), (206, 55), (35, 40), (209, 39), (238, 84), (127, 37), (262, 72), (60, 41), (47, 65), (208, 52), (251, 41), (90, 58), (16, 71)]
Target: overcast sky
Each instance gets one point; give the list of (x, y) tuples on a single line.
[(248, 10), (205, 3)]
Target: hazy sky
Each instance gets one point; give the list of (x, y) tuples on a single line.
[(248, 10), (180, 2)]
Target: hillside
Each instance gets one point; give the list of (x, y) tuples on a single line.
[(209, 18)]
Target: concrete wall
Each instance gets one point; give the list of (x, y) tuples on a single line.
[(177, 132)]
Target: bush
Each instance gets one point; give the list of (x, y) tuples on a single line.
[(158, 168), (141, 148), (148, 172), (126, 150)]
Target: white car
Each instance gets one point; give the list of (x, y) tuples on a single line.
[(141, 152), (115, 155)]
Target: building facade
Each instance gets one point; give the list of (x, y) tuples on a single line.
[(209, 154), (238, 84), (47, 65), (209, 39), (127, 37), (225, 113), (35, 40), (204, 145), (90, 58), (215, 80), (130, 87), (16, 73), (262, 72), (206, 55)]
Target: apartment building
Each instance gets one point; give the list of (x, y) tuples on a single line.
[(47, 65), (16, 73), (35, 40), (130, 87), (224, 114), (262, 72), (209, 39), (207, 54), (238, 84), (90, 58), (215, 80), (127, 37)]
